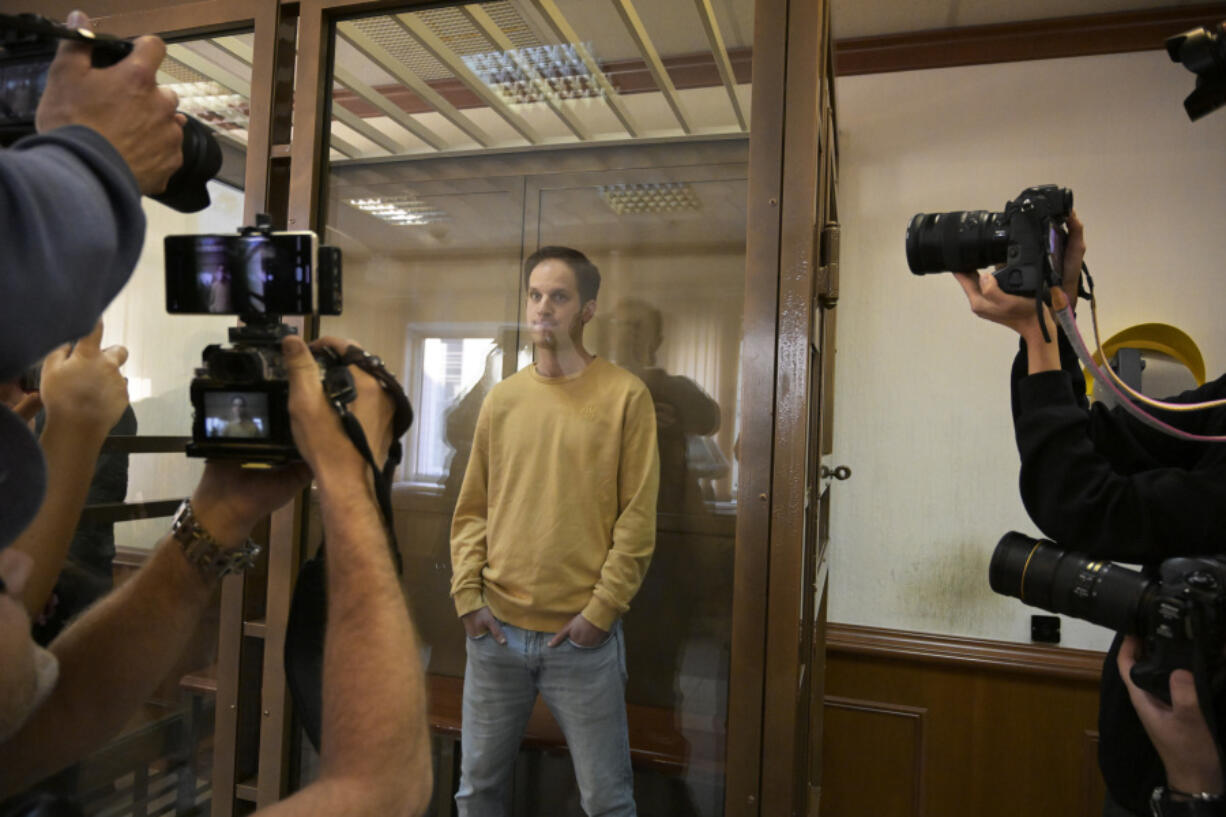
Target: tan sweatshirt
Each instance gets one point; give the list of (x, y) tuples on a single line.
[(557, 513)]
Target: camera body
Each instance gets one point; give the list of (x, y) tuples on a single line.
[(27, 47), (1179, 616), (1027, 237), (240, 394), (1203, 52)]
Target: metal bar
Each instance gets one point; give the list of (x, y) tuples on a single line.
[(346, 149), (651, 56), (441, 52), (398, 115), (707, 14), (202, 65), (552, 16), (283, 563), (415, 83), (132, 444), (357, 123), (483, 21), (236, 47), (110, 512)]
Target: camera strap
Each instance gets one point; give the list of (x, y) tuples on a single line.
[(1042, 296), (402, 418)]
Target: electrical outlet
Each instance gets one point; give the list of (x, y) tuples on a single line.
[(1045, 629)]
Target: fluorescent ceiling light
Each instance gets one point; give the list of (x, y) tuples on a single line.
[(403, 210)]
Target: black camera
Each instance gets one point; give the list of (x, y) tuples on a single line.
[(1203, 52), (240, 394), (27, 48), (1028, 237), (1179, 615)]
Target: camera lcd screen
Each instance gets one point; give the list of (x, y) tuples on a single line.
[(236, 415), (21, 86), (239, 275)]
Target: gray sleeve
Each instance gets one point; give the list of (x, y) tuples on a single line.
[(71, 231)]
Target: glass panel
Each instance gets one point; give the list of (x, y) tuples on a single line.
[(212, 78), (433, 248), (672, 256), (509, 74)]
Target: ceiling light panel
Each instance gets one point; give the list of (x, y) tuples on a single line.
[(529, 74), (653, 197), (452, 27)]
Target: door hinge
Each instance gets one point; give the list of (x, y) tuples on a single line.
[(827, 251)]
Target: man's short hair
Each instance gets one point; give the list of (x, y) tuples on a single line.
[(587, 277)]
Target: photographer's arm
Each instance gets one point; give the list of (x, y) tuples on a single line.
[(113, 657), (990, 303), (375, 753), (84, 395), (72, 225)]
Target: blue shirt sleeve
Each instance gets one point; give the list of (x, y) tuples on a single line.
[(71, 231)]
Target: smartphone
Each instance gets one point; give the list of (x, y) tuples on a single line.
[(258, 274)]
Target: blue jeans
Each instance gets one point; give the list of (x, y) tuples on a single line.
[(584, 688)]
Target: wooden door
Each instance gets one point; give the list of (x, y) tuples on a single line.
[(793, 278)]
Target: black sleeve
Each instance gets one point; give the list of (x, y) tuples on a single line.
[(1101, 482), (71, 229)]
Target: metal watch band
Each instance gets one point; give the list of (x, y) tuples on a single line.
[(202, 550), (1161, 804)]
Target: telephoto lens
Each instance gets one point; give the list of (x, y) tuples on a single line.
[(1043, 575), (961, 241)]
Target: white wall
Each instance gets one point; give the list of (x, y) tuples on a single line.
[(922, 386)]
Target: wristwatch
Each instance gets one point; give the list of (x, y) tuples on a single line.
[(211, 559), (1166, 802)]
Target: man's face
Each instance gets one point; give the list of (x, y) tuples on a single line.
[(238, 408), (27, 671), (555, 314)]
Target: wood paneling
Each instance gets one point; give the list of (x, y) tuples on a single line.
[(1077, 36), (882, 772), (929, 725)]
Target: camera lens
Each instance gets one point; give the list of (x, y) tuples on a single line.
[(1061, 581), (960, 241), (186, 191)]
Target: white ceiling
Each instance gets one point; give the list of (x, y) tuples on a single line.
[(865, 18)]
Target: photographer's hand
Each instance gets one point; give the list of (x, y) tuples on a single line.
[(82, 390), (991, 303), (122, 102), (317, 429), (84, 395), (1178, 731)]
